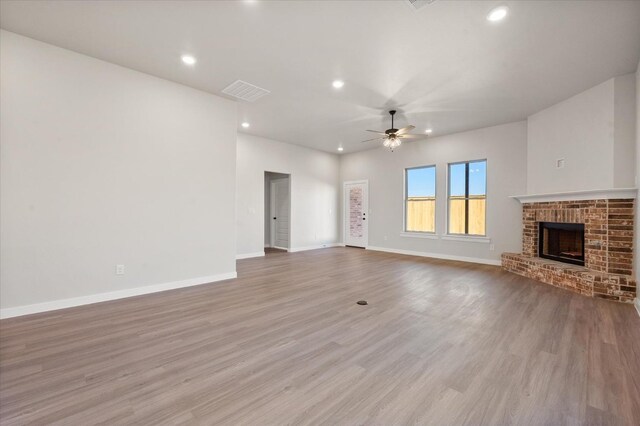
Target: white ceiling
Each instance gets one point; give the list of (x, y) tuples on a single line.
[(444, 66)]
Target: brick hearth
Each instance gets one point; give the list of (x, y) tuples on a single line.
[(609, 227)]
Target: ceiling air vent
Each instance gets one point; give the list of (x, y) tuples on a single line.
[(245, 91), (417, 4)]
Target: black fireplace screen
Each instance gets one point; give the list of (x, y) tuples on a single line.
[(563, 242)]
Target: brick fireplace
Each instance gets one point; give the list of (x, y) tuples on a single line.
[(608, 226)]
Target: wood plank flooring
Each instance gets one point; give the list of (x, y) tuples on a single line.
[(440, 343)]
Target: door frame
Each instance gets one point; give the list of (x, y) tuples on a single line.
[(365, 182), (271, 212)]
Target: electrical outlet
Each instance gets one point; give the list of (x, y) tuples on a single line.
[(492, 247), (119, 269), (385, 238), (560, 163)]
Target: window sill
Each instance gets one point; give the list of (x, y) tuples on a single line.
[(468, 238), (427, 235)]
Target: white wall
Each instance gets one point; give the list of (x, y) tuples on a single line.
[(102, 165), (637, 173), (314, 193), (593, 132), (624, 148), (505, 149)]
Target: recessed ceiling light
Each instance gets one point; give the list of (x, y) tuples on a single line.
[(188, 59), (245, 125), (498, 14), (428, 131), (338, 84), (340, 149)]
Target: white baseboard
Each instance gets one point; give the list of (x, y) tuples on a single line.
[(437, 255), (249, 255), (636, 302), (113, 295), (319, 246)]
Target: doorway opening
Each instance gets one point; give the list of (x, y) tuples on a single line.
[(277, 212)]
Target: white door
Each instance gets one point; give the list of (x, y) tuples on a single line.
[(356, 212), (280, 213)]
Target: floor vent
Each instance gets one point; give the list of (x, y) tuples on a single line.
[(245, 91), (417, 4)]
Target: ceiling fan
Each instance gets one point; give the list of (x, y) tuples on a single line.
[(392, 138)]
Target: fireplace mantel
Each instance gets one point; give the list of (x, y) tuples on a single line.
[(595, 194)]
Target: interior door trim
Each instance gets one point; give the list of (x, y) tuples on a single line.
[(364, 182), (272, 213)]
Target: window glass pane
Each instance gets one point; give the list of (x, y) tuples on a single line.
[(478, 178), (456, 179), (477, 211), (473, 211), (421, 202), (421, 214), (456, 215), (421, 182)]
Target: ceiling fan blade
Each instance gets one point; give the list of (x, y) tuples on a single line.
[(374, 139), (411, 136), (375, 131), (405, 130)]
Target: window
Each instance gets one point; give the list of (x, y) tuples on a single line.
[(467, 197), (420, 199)]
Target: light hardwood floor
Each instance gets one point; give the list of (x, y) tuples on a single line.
[(440, 342)]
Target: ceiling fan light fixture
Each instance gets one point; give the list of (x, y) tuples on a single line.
[(392, 142)]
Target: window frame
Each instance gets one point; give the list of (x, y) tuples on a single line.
[(466, 198), (406, 196)]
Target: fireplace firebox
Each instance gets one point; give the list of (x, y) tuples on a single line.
[(563, 242)]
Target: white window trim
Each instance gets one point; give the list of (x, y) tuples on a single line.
[(466, 237), (404, 205), (415, 234)]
